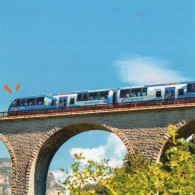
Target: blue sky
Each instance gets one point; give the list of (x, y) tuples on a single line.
[(61, 46)]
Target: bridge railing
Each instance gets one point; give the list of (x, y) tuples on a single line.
[(3, 114), (130, 105)]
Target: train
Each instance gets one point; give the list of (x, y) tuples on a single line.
[(105, 98)]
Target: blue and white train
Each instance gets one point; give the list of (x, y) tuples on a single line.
[(107, 98)]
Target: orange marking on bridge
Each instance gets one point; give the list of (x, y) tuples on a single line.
[(18, 87), (7, 88)]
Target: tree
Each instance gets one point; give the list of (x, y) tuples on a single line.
[(137, 175), (82, 174), (97, 188)]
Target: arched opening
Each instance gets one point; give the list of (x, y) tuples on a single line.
[(185, 131), (5, 169), (50, 147)]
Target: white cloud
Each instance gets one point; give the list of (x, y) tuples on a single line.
[(113, 150), (116, 145), (114, 162), (142, 70), (59, 175), (96, 154)]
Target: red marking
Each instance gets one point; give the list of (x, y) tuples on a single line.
[(15, 109), (7, 88), (18, 87)]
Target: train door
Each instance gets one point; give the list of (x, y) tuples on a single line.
[(170, 95), (63, 103)]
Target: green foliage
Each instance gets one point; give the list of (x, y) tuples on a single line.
[(5, 160), (83, 174), (135, 162), (4, 170), (96, 188), (138, 175)]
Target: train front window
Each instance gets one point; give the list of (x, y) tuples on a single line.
[(40, 101), (14, 103)]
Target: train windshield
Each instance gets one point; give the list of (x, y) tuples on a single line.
[(15, 103), (28, 102)]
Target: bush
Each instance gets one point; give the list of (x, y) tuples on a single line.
[(138, 175)]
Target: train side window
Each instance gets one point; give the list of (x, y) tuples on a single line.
[(31, 102), (79, 98), (85, 96), (60, 103), (18, 103), (72, 100), (138, 92), (93, 96), (53, 103), (103, 95), (144, 92), (134, 92), (191, 87), (180, 91), (158, 94), (124, 93), (23, 102), (40, 101)]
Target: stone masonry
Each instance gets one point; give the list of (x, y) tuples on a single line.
[(32, 142)]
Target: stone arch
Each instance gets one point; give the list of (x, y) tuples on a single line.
[(49, 144), (13, 160), (184, 129)]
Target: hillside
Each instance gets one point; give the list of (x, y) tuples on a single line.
[(6, 179)]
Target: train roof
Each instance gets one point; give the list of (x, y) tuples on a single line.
[(157, 85), (68, 93), (88, 91), (84, 91), (28, 97)]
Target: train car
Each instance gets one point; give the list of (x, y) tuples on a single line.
[(62, 102), (86, 98), (169, 91)]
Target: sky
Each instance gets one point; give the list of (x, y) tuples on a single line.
[(61, 46)]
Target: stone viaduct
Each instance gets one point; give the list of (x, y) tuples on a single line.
[(33, 140)]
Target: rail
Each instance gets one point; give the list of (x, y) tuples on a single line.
[(104, 107)]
